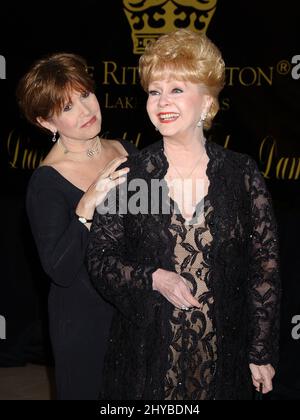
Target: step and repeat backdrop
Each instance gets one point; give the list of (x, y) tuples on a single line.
[(259, 115)]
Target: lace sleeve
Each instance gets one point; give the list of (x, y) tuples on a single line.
[(127, 284), (264, 286)]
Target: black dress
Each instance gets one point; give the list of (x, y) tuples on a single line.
[(79, 318), (230, 260)]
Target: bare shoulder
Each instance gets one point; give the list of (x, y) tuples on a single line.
[(54, 158), (115, 146)]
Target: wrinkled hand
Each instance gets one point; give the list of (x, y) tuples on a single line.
[(262, 374), (174, 288)]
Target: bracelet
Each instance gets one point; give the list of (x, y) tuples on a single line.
[(84, 220)]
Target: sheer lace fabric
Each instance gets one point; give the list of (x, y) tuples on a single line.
[(235, 253), (192, 353)]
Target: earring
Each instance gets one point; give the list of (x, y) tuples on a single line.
[(202, 119), (156, 129), (54, 137)]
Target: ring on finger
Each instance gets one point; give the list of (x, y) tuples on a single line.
[(110, 177), (184, 308)]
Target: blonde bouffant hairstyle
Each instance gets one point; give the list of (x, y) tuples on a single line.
[(185, 55)]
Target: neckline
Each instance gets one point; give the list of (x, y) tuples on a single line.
[(178, 211), (63, 178), (207, 172)]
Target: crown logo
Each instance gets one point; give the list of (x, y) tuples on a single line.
[(149, 19)]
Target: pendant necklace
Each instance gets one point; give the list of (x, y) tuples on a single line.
[(90, 152)]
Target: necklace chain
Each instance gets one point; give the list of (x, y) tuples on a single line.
[(194, 167), (90, 152)]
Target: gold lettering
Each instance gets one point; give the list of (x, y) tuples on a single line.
[(106, 103), (123, 75), (108, 72), (225, 104), (137, 141), (15, 152), (245, 76), (249, 76), (119, 76), (19, 157), (292, 170), (270, 155), (281, 171), (231, 70), (286, 167), (252, 74), (283, 165), (128, 103), (123, 103), (134, 74), (24, 158), (34, 165), (119, 103), (262, 74), (227, 141), (30, 159)]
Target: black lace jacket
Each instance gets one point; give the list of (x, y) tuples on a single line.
[(124, 251)]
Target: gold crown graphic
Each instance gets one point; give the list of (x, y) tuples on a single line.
[(150, 19)]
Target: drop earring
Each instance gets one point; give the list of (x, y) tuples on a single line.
[(54, 136), (202, 119)]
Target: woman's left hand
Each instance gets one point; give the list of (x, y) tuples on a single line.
[(262, 374)]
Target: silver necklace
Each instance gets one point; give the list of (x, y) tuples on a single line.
[(90, 152)]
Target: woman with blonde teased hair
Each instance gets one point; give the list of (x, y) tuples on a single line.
[(197, 287)]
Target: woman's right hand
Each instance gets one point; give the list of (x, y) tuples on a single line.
[(174, 288), (108, 178)]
